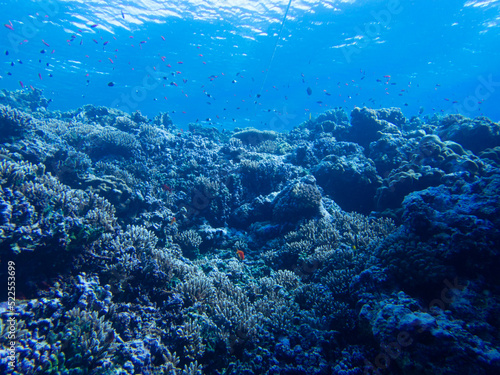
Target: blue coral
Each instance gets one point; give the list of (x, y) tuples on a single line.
[(371, 244)]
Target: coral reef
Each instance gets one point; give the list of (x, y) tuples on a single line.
[(368, 245)]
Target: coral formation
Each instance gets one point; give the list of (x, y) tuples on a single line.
[(369, 245)]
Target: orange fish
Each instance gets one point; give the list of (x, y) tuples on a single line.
[(241, 254), (173, 221)]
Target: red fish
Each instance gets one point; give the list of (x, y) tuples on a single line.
[(165, 187), (44, 42), (111, 60), (162, 37), (241, 254), (40, 75), (9, 27), (22, 84)]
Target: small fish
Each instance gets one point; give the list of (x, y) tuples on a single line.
[(106, 42), (111, 84), (6, 53), (44, 42), (162, 37), (40, 75), (180, 62), (173, 221), (123, 15), (309, 91), (240, 254), (165, 187), (22, 84), (93, 26), (387, 76), (173, 84), (9, 27), (111, 60)]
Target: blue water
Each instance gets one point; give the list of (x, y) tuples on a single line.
[(428, 56)]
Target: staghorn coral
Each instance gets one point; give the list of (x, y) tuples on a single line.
[(190, 338), (190, 242)]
